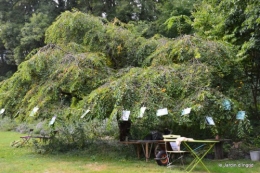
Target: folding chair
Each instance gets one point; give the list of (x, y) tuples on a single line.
[(171, 147), (27, 138)]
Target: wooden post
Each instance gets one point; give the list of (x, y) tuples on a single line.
[(219, 150), (219, 153)]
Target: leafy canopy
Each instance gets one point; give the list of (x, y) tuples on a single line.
[(90, 63)]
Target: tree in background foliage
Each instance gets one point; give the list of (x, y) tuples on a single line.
[(16, 16), (174, 18), (238, 23)]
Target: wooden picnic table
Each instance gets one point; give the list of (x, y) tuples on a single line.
[(146, 146), (42, 138)]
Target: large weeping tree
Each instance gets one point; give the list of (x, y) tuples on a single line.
[(90, 63)]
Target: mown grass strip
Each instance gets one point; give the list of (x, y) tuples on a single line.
[(25, 160)]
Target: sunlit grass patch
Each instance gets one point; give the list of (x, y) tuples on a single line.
[(98, 159)]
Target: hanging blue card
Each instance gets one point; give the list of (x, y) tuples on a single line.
[(227, 105), (241, 115)]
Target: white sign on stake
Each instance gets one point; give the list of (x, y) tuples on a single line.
[(185, 111), (161, 112), (125, 115), (85, 113), (142, 110)]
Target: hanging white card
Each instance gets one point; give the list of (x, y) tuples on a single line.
[(35, 109), (142, 110), (2, 111), (240, 115), (85, 113), (161, 112), (185, 111), (210, 121), (53, 120), (125, 115)]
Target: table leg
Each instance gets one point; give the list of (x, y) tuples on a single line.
[(138, 151), (197, 158), (146, 150)]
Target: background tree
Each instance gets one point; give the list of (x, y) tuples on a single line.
[(236, 22), (174, 18), (14, 16), (32, 35)]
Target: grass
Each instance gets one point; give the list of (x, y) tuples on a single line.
[(25, 160)]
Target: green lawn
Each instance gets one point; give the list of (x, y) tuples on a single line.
[(25, 160)]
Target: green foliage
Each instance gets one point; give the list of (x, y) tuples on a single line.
[(7, 124), (9, 34), (208, 20), (6, 76), (32, 35), (90, 63), (23, 24), (75, 133), (174, 18), (237, 23), (40, 82), (178, 24), (71, 27), (113, 39)]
